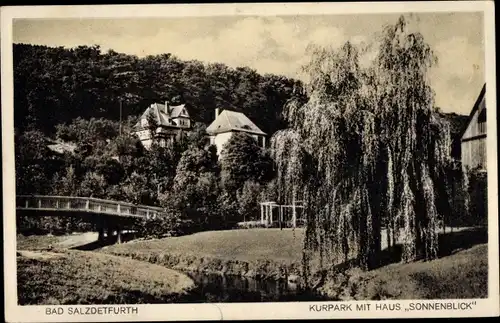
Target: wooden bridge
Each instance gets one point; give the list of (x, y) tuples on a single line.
[(111, 215)]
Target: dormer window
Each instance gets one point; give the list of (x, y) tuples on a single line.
[(144, 122)]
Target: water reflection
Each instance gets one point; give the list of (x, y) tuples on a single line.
[(218, 288)]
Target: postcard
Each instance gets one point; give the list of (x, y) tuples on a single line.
[(249, 161)]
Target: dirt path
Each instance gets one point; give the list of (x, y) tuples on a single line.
[(39, 255), (76, 240)]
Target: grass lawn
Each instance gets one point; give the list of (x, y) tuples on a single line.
[(461, 275), (35, 242), (81, 277), (282, 246)]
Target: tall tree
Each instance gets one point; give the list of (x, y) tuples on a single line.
[(365, 150), (35, 163), (242, 160), (57, 85), (196, 185)]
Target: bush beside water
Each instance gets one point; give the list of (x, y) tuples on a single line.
[(260, 269)]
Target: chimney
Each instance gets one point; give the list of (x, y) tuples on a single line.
[(216, 113), (167, 108)]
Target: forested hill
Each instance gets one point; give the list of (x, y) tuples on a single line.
[(56, 85)]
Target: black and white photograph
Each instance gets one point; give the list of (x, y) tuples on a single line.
[(242, 157)]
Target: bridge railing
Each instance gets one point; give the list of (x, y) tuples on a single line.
[(89, 204)]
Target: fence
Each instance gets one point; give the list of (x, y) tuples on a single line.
[(86, 204)]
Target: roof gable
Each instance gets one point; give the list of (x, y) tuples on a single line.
[(477, 105), (233, 121), (179, 111), (161, 116)]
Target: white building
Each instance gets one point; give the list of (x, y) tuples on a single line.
[(474, 135), (170, 121), (228, 122)]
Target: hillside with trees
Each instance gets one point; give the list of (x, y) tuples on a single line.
[(57, 85), (73, 96)]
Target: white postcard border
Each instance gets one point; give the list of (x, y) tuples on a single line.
[(238, 311)]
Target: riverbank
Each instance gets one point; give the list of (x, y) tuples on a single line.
[(276, 254), (256, 253), (463, 274), (64, 277)]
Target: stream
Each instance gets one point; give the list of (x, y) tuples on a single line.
[(213, 288), (216, 288)]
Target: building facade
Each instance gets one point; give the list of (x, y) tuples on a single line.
[(473, 139), (228, 122), (169, 121)]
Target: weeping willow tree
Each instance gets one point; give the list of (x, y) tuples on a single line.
[(364, 151)]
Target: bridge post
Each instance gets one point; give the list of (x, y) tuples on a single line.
[(118, 208), (118, 235), (101, 234), (110, 233)]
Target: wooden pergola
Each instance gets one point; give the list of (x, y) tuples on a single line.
[(266, 212)]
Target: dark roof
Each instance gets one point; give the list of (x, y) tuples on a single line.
[(161, 116), (474, 109), (229, 120)]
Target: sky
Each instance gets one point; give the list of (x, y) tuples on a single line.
[(277, 44)]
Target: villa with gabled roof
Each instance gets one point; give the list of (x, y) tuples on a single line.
[(228, 122), (170, 122)]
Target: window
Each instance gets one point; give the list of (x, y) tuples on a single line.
[(481, 121), (144, 122)]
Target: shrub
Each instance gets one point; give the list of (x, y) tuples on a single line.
[(250, 225), (478, 202), (57, 225), (248, 198), (171, 223)]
